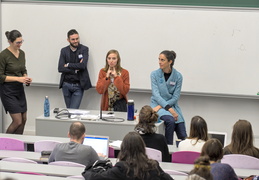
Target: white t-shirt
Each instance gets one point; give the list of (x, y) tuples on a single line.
[(189, 145)]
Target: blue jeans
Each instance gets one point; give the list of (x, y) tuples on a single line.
[(73, 94), (171, 126)]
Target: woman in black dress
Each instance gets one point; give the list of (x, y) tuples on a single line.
[(13, 75)]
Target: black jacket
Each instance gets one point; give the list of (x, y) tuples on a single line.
[(118, 172), (82, 67)]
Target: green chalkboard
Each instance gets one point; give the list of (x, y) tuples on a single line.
[(216, 3)]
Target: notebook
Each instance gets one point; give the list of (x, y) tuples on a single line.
[(221, 136), (99, 143)]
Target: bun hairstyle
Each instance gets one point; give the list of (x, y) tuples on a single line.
[(12, 35), (202, 168), (170, 55), (147, 119)]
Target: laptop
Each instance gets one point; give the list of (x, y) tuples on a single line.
[(99, 143), (221, 136)]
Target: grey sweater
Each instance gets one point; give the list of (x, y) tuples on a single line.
[(74, 152)]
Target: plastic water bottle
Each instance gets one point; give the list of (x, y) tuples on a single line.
[(46, 107), (130, 110)]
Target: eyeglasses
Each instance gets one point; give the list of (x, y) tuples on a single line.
[(19, 42)]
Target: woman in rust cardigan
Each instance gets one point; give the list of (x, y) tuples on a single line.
[(113, 83)]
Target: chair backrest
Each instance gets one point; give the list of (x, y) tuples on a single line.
[(185, 157), (173, 172), (11, 144), (241, 161), (45, 145), (66, 163), (75, 177), (111, 152), (154, 154), (17, 159), (32, 173)]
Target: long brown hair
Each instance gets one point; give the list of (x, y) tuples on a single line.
[(147, 119), (198, 129), (118, 66), (242, 139), (133, 152)]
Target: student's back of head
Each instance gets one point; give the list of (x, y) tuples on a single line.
[(76, 130), (213, 149), (242, 139), (202, 168), (147, 119), (198, 128), (133, 152)]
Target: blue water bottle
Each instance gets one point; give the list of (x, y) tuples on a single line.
[(130, 110), (46, 107)]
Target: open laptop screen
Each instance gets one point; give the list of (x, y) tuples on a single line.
[(221, 136), (99, 143)]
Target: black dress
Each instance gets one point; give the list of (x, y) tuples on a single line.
[(12, 93), (13, 97)]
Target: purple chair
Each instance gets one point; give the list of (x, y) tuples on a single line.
[(45, 145), (185, 157), (111, 152), (66, 163), (241, 161), (11, 144), (32, 173), (154, 154), (17, 159)]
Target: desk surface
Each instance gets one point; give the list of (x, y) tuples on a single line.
[(35, 156), (30, 139), (46, 169), (51, 126), (70, 171), (19, 176), (188, 167)]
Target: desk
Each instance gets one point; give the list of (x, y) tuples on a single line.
[(51, 126), (188, 167), (51, 170), (35, 156), (30, 139), (19, 176)]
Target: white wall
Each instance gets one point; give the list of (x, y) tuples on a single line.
[(220, 113), (214, 46)]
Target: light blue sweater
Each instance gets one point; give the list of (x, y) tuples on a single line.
[(166, 92)]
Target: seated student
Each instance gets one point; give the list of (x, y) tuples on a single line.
[(201, 170), (74, 150), (133, 163), (242, 140), (198, 135), (213, 149), (147, 129)]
